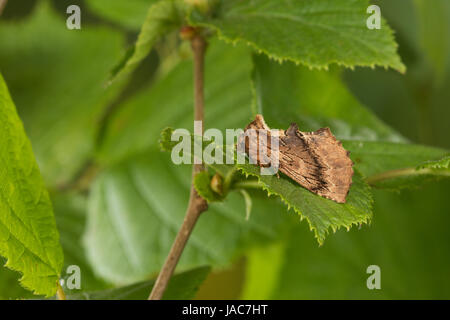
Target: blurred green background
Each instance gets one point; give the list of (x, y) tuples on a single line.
[(56, 78)]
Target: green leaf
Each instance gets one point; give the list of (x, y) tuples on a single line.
[(162, 17), (130, 14), (322, 214), (315, 99), (442, 164), (410, 103), (137, 207), (316, 33), (202, 183), (182, 286), (56, 77), (410, 249), (28, 235)]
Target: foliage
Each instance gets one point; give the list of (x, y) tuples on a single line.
[(322, 214)]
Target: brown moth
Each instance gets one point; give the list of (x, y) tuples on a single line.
[(316, 160)]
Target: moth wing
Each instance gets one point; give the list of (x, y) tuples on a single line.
[(337, 171)]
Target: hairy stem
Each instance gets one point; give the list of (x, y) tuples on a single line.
[(197, 204), (372, 180)]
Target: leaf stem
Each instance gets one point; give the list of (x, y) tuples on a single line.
[(197, 204), (60, 295), (372, 180)]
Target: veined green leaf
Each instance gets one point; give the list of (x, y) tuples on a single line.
[(411, 177), (28, 235), (316, 33), (162, 17), (182, 286)]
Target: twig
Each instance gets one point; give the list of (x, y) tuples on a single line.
[(197, 204)]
